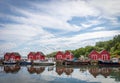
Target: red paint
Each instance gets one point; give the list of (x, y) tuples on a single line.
[(31, 56), (7, 56), (64, 56), (105, 55), (40, 56), (12, 56), (59, 55), (36, 56), (68, 55), (94, 55)]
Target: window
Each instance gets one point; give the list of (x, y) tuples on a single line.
[(94, 57), (59, 56), (105, 57)]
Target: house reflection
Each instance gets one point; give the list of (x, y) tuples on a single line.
[(105, 72), (35, 69), (68, 71), (61, 70), (12, 69), (95, 71)]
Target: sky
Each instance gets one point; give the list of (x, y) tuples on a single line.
[(53, 25)]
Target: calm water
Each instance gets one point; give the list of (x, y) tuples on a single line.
[(52, 74)]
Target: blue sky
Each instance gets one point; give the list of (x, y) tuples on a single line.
[(52, 25)]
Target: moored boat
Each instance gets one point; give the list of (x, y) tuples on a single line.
[(9, 62), (43, 63), (108, 63), (24, 63), (76, 63)]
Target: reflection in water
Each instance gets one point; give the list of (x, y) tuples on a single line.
[(35, 69), (95, 71), (51, 73), (61, 70), (12, 69)]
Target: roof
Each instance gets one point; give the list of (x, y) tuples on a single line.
[(16, 53), (104, 51), (32, 53), (68, 52), (41, 53), (93, 51), (7, 53)]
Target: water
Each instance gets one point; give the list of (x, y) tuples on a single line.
[(52, 74)]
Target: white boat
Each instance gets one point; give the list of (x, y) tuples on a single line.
[(44, 62), (10, 62)]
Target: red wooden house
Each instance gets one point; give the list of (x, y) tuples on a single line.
[(59, 55), (68, 55), (64, 56), (40, 56), (7, 56), (94, 55), (104, 55), (31, 56), (36, 56), (12, 56)]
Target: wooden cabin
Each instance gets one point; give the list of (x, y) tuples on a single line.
[(7, 56), (68, 55), (12, 56), (40, 56), (64, 56), (15, 56), (94, 55), (36, 56), (104, 55), (31, 56), (59, 55)]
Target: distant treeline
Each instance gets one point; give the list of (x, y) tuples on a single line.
[(113, 46)]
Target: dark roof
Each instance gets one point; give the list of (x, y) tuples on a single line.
[(16, 53), (7, 53), (41, 53)]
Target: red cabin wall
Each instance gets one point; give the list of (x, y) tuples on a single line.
[(59, 56), (94, 55), (64, 56), (105, 55), (68, 55), (7, 57), (18, 58), (31, 56), (39, 56)]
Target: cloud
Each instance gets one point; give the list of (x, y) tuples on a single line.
[(107, 7), (99, 28), (44, 26)]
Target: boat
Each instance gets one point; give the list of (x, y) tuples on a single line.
[(43, 63), (10, 62), (24, 63), (108, 63), (75, 63)]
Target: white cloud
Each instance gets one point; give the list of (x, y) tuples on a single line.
[(99, 28), (29, 28), (107, 7)]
